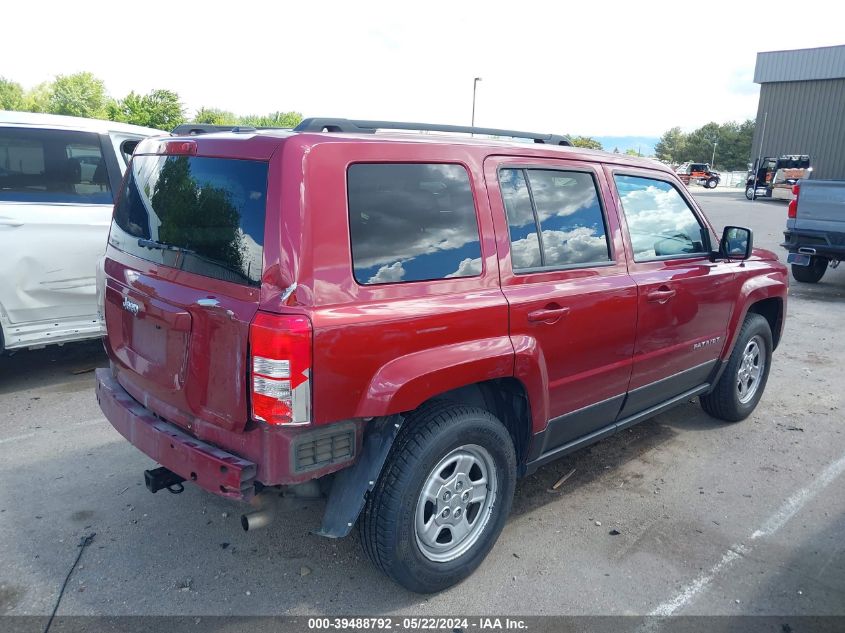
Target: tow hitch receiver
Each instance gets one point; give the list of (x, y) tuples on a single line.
[(160, 478)]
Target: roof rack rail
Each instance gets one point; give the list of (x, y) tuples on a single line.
[(357, 126), (193, 129)]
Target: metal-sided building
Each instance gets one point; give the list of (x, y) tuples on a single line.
[(802, 99)]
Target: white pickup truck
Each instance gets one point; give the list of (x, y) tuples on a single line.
[(58, 179), (815, 228)]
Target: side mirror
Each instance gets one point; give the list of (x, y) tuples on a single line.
[(737, 243)]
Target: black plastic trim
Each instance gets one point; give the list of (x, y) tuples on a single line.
[(576, 424), (112, 164), (662, 390), (351, 485), (612, 428)]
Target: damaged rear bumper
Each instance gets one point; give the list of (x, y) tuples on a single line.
[(207, 466)]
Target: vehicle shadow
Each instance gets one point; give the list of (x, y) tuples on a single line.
[(52, 365), (186, 554), (612, 460)]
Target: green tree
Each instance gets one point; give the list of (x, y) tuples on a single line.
[(699, 143), (160, 109), (11, 95), (275, 119), (80, 94), (215, 116), (197, 215), (671, 146), (731, 142), (38, 99), (632, 152), (585, 141)]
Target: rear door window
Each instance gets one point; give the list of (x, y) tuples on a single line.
[(201, 215), (412, 222), (555, 219), (52, 166)]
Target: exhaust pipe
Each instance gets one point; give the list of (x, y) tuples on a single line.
[(256, 520)]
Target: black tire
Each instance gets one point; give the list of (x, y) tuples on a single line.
[(749, 193), (387, 524), (711, 184), (724, 401), (810, 274)]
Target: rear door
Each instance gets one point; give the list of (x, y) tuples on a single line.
[(182, 282), (54, 215), (685, 300), (573, 306)]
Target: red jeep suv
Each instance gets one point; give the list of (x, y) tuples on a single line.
[(415, 320)]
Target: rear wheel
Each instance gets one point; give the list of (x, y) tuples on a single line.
[(711, 184), (442, 498), (749, 193), (741, 384), (810, 274)]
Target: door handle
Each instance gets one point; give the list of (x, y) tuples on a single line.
[(661, 295), (550, 314)]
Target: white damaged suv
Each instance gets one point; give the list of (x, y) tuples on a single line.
[(58, 176)]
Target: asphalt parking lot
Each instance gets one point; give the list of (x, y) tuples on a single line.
[(713, 518)]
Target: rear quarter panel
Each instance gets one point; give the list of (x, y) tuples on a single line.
[(381, 349)]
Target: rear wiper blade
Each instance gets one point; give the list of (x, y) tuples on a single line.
[(162, 246)]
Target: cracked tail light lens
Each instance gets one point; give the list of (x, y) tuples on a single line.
[(280, 350)]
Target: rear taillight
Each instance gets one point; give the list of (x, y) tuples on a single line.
[(280, 368), (792, 211)]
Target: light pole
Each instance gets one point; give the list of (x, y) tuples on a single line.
[(474, 84), (713, 158)]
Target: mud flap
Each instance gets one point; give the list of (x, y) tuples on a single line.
[(350, 485)]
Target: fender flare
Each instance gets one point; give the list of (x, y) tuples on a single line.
[(754, 289), (406, 382)]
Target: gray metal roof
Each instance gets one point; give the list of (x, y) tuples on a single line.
[(800, 65)]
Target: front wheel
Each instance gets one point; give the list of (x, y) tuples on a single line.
[(711, 184), (810, 274), (442, 498), (749, 193), (743, 380)]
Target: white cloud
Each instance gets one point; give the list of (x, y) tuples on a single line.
[(468, 267), (572, 247), (388, 274), (653, 214), (580, 245)]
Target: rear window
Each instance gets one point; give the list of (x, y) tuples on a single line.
[(201, 215), (412, 222), (52, 166)]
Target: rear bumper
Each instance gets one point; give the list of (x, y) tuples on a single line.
[(207, 466), (230, 463), (825, 243)]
